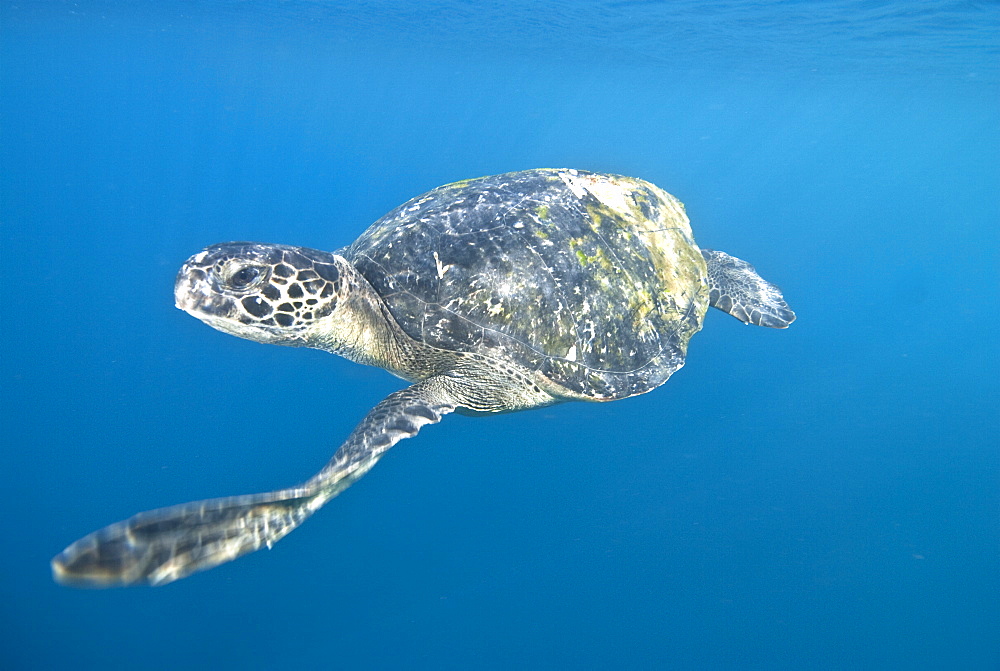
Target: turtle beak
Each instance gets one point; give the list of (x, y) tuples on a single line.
[(189, 288), (183, 290), (195, 293)]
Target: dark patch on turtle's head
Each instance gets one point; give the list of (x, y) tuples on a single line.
[(267, 293)]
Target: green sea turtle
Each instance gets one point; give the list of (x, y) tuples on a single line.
[(489, 295)]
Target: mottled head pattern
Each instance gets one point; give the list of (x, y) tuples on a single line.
[(267, 293)]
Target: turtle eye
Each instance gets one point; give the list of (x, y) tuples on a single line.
[(243, 277)]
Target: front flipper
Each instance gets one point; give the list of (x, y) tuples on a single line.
[(736, 288), (160, 546)]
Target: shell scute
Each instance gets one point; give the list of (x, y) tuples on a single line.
[(592, 280)]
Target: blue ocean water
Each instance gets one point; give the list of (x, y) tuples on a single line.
[(827, 497)]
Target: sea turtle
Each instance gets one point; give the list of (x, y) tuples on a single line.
[(488, 295)]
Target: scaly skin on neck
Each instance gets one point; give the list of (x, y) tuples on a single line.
[(363, 330)]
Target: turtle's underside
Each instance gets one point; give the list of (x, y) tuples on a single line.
[(490, 295)]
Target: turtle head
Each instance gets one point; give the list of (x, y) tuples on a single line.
[(267, 293)]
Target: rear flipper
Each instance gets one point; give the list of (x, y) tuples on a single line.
[(736, 288), (160, 546)]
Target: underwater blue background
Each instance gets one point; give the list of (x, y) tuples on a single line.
[(825, 497)]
